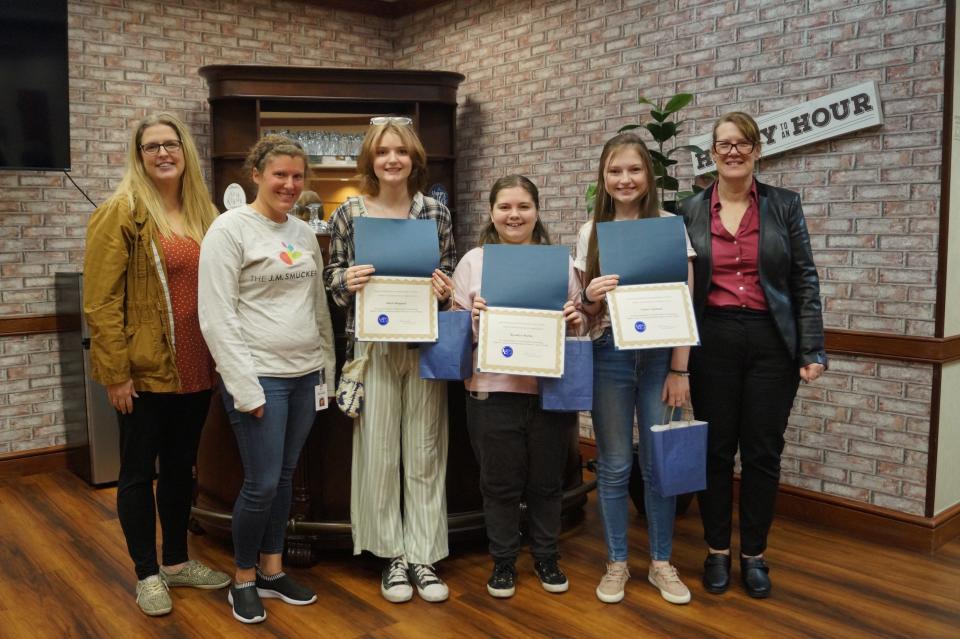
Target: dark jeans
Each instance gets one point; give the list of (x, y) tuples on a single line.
[(164, 425), (743, 382), (269, 450), (522, 451)]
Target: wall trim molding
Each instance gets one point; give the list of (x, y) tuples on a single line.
[(35, 324), (30, 462), (884, 526)]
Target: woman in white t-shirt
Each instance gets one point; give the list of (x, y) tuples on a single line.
[(264, 315), (629, 382)]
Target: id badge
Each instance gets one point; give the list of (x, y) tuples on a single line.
[(320, 393)]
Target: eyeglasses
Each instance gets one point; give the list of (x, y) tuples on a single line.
[(400, 120), (724, 148), (154, 147)]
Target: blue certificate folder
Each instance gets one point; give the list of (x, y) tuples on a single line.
[(404, 248), (531, 276), (648, 251)]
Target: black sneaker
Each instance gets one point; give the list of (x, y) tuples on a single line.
[(429, 586), (394, 583), (281, 586), (247, 607), (503, 581), (551, 577)]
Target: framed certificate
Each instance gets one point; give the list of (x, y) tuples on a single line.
[(516, 341), (652, 316), (396, 309)]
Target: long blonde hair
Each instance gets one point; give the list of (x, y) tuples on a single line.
[(139, 191), (604, 210)]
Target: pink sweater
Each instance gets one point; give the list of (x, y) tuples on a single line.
[(466, 283)]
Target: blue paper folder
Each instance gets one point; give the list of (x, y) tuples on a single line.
[(406, 248), (649, 251), (529, 276)]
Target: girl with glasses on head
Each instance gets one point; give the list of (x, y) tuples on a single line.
[(629, 383), (140, 301), (264, 313), (404, 417), (757, 301), (521, 449)]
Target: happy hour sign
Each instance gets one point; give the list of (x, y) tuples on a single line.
[(852, 109)]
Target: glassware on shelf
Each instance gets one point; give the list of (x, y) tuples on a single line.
[(317, 225)]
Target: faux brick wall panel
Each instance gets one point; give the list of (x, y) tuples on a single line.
[(546, 84)]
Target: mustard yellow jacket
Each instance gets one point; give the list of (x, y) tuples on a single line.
[(126, 301)]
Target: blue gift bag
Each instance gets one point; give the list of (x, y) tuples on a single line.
[(451, 356), (679, 456), (574, 390)]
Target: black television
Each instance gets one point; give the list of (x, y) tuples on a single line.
[(34, 91)]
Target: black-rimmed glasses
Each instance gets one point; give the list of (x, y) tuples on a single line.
[(153, 148), (722, 147)]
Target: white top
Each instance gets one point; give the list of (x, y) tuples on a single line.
[(262, 305), (602, 320)]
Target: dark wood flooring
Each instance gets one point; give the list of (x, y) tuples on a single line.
[(64, 572)]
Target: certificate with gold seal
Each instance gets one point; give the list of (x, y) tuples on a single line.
[(652, 316), (396, 309), (517, 341)]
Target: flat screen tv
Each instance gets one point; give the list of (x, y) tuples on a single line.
[(34, 95)]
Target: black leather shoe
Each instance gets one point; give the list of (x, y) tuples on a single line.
[(716, 573), (755, 575)]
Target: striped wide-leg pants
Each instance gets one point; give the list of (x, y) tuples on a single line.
[(404, 418)]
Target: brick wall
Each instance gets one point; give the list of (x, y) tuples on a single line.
[(129, 58), (546, 84)]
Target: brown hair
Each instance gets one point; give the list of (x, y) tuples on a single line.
[(743, 121), (369, 183), (603, 210), (489, 233), (270, 146), (138, 189)]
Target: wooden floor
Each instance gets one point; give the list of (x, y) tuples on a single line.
[(64, 572)]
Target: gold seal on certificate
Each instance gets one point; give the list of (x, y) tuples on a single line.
[(397, 309), (516, 341), (652, 316)]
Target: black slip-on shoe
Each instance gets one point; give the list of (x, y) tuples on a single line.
[(282, 586), (246, 604), (755, 575), (716, 573)]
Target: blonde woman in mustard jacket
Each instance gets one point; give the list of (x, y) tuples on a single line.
[(140, 301)]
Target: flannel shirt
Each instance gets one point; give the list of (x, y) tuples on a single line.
[(342, 249)]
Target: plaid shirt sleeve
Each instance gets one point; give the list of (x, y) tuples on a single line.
[(341, 255)]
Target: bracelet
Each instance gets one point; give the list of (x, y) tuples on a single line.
[(680, 373), (584, 298)]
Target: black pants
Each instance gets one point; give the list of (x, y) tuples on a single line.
[(164, 425), (522, 451), (743, 382)]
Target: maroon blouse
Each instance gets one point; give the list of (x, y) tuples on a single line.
[(735, 280)]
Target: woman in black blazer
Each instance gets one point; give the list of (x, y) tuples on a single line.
[(757, 300)]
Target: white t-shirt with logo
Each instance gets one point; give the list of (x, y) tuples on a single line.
[(262, 305)]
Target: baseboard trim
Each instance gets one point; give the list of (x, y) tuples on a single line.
[(30, 462), (866, 521)]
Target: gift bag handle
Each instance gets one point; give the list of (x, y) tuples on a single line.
[(669, 412)]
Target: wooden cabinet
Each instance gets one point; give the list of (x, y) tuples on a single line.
[(246, 101)]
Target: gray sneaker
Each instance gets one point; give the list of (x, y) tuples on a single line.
[(196, 575), (152, 596)]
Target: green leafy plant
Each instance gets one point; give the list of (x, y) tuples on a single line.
[(664, 126)]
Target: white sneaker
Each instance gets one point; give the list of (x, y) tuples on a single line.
[(394, 584), (429, 586)]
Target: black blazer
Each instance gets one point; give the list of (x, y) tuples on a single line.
[(788, 275)]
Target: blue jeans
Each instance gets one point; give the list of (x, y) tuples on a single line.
[(269, 450), (627, 383)]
